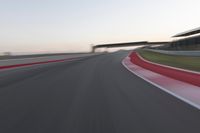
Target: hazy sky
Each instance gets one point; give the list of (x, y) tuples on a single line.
[(72, 25)]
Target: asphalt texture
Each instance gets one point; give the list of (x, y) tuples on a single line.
[(93, 95)]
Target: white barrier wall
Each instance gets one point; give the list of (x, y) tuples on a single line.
[(181, 53)]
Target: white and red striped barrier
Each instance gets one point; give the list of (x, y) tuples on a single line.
[(176, 73)]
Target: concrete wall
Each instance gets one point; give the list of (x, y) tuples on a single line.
[(181, 53), (6, 62)]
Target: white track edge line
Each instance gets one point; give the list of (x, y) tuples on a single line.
[(162, 88)]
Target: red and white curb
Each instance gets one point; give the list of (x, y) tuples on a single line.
[(186, 92)]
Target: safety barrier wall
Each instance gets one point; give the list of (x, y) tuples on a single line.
[(181, 53), (13, 63)]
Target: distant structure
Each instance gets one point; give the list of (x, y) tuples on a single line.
[(7, 54), (188, 33), (127, 44), (189, 40)]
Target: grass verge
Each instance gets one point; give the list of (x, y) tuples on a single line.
[(185, 62)]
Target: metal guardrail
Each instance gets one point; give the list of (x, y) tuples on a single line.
[(181, 53)]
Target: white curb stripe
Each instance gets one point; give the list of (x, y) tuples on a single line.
[(187, 93)]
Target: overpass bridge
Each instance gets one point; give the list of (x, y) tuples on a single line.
[(127, 44)]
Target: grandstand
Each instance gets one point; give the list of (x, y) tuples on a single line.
[(189, 40)]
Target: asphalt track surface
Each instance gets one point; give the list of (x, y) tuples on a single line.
[(92, 95)]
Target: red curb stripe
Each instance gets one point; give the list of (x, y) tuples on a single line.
[(192, 78), (34, 63)]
